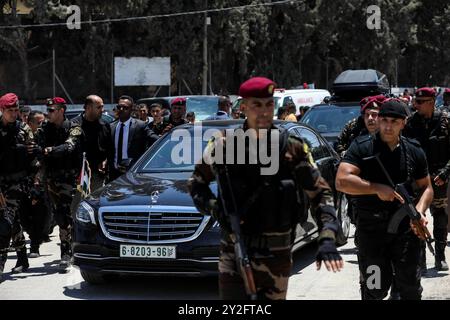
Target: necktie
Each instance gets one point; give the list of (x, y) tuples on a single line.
[(120, 143)]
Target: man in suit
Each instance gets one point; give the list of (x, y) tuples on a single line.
[(131, 137)]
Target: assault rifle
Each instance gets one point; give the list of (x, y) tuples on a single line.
[(406, 209), (242, 259)]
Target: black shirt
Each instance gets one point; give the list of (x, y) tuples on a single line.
[(97, 141), (395, 161)]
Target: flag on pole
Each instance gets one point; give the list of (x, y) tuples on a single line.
[(85, 178)]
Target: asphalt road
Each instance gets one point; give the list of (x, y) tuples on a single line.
[(44, 282)]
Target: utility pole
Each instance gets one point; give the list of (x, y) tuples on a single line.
[(205, 52)]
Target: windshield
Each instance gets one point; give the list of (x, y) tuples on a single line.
[(330, 118), (177, 151), (202, 107)]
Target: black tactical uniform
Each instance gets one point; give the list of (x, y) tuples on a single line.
[(434, 137), (396, 255), (14, 170), (98, 147), (59, 172), (269, 212)]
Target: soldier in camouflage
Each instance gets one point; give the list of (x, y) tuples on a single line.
[(60, 140), (267, 204), (366, 123), (16, 155), (430, 127)]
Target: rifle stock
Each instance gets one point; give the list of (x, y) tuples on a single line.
[(242, 259)]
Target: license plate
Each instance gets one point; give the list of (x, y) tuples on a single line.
[(147, 252)]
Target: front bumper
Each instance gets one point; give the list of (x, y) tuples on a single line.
[(93, 252)]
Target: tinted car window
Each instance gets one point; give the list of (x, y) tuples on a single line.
[(324, 152), (330, 118), (202, 107), (174, 155), (313, 142)]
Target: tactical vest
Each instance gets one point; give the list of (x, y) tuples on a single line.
[(433, 136), (69, 164), (372, 212), (13, 152), (265, 203)]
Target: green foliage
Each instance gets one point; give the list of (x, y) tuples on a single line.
[(301, 41)]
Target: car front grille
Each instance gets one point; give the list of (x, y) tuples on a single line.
[(151, 224)]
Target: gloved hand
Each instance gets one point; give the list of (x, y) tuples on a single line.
[(213, 208), (329, 255)]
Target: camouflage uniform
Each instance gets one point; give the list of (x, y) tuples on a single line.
[(59, 172), (268, 221), (14, 169), (433, 135), (352, 129)]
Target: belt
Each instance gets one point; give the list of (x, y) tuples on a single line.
[(266, 241)]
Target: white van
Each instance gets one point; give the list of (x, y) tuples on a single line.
[(301, 97)]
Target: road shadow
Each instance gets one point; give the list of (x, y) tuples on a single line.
[(146, 288), (47, 268), (304, 257)]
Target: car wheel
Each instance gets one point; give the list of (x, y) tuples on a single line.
[(92, 277), (344, 222)]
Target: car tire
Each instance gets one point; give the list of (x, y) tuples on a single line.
[(92, 277), (344, 222)]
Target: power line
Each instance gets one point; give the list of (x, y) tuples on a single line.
[(170, 15)]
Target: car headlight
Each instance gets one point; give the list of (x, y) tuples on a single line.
[(85, 213)]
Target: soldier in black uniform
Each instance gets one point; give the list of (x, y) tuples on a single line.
[(383, 257), (268, 203), (97, 143), (15, 159), (60, 140), (430, 127)]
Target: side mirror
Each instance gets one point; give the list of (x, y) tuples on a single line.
[(327, 99)]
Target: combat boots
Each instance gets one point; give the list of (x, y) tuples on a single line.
[(3, 257), (22, 261), (66, 255), (440, 263), (34, 252)]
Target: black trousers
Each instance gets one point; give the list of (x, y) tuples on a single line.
[(383, 258)]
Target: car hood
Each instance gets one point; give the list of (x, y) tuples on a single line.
[(168, 189)]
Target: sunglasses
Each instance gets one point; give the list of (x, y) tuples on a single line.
[(119, 107), (422, 101), (50, 110)]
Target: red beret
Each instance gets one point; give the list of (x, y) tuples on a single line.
[(178, 101), (372, 102), (9, 100), (56, 101), (425, 92), (257, 87)]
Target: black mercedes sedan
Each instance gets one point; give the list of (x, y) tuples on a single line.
[(145, 222)]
